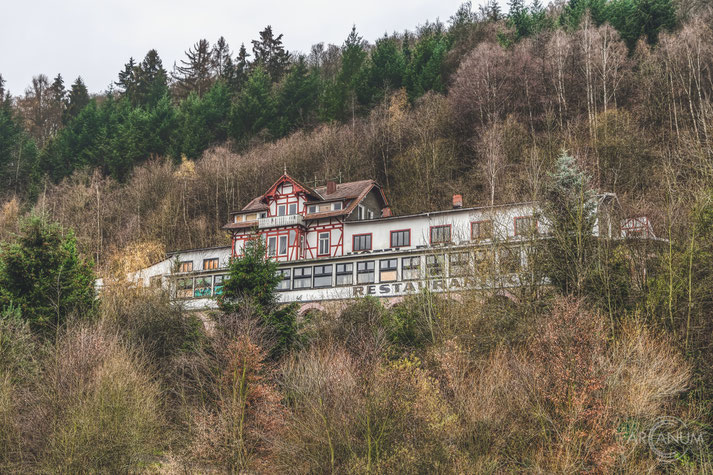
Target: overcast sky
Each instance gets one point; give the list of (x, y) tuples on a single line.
[(95, 38)]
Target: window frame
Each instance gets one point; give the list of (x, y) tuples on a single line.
[(441, 226), (464, 268), (344, 272), (290, 208), (282, 207), (533, 228), (480, 225), (279, 244), (311, 209), (394, 269), (371, 243), (211, 259), (288, 279), (182, 263), (319, 243), (361, 212), (337, 206), (410, 267), (391, 237), (301, 277), (366, 272), (440, 263), (322, 274), (271, 249)]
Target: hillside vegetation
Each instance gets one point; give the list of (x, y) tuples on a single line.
[(553, 103)]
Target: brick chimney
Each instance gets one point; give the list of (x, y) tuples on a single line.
[(457, 201), (386, 212), (331, 187)]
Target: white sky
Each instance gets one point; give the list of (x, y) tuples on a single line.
[(94, 38)]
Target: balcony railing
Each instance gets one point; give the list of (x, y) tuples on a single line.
[(277, 221)]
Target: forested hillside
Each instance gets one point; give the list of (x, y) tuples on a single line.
[(480, 105), (551, 102)]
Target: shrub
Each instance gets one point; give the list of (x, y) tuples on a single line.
[(101, 405)]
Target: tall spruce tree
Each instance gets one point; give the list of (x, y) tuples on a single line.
[(569, 210), (151, 80), (270, 54), (42, 273), (77, 100)]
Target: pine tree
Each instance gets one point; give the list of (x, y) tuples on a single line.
[(297, 98), (43, 274), (151, 80), (127, 80), (194, 74), (78, 99), (240, 68), (341, 94), (386, 70), (269, 53), (254, 110), (569, 211)]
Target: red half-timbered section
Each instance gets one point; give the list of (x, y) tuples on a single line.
[(335, 228), (298, 222)]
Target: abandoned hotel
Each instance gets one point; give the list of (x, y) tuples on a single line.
[(341, 241)]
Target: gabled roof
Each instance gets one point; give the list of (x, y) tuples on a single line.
[(351, 193)]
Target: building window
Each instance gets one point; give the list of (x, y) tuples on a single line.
[(361, 212), (323, 244), (210, 264), (292, 209), (281, 210), (312, 209), (525, 226), (365, 272), (323, 276), (282, 249), (263, 214), (361, 242), (284, 283), (509, 260), (337, 206), (459, 264), (440, 234), (401, 238), (185, 266), (481, 230), (271, 245), (286, 188), (370, 214), (434, 265), (184, 288), (202, 288), (218, 281), (411, 268), (483, 261), (302, 278), (345, 274), (387, 270)]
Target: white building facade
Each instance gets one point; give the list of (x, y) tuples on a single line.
[(341, 241)]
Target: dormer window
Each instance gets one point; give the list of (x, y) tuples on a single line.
[(370, 214), (337, 206), (312, 209), (361, 212), (286, 188)]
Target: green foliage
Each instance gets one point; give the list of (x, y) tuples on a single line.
[(254, 110), (43, 275), (201, 122), (569, 210), (18, 153), (251, 286), (633, 19), (296, 99), (424, 70)]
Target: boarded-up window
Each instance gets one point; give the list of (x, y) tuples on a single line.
[(210, 264), (185, 266)]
